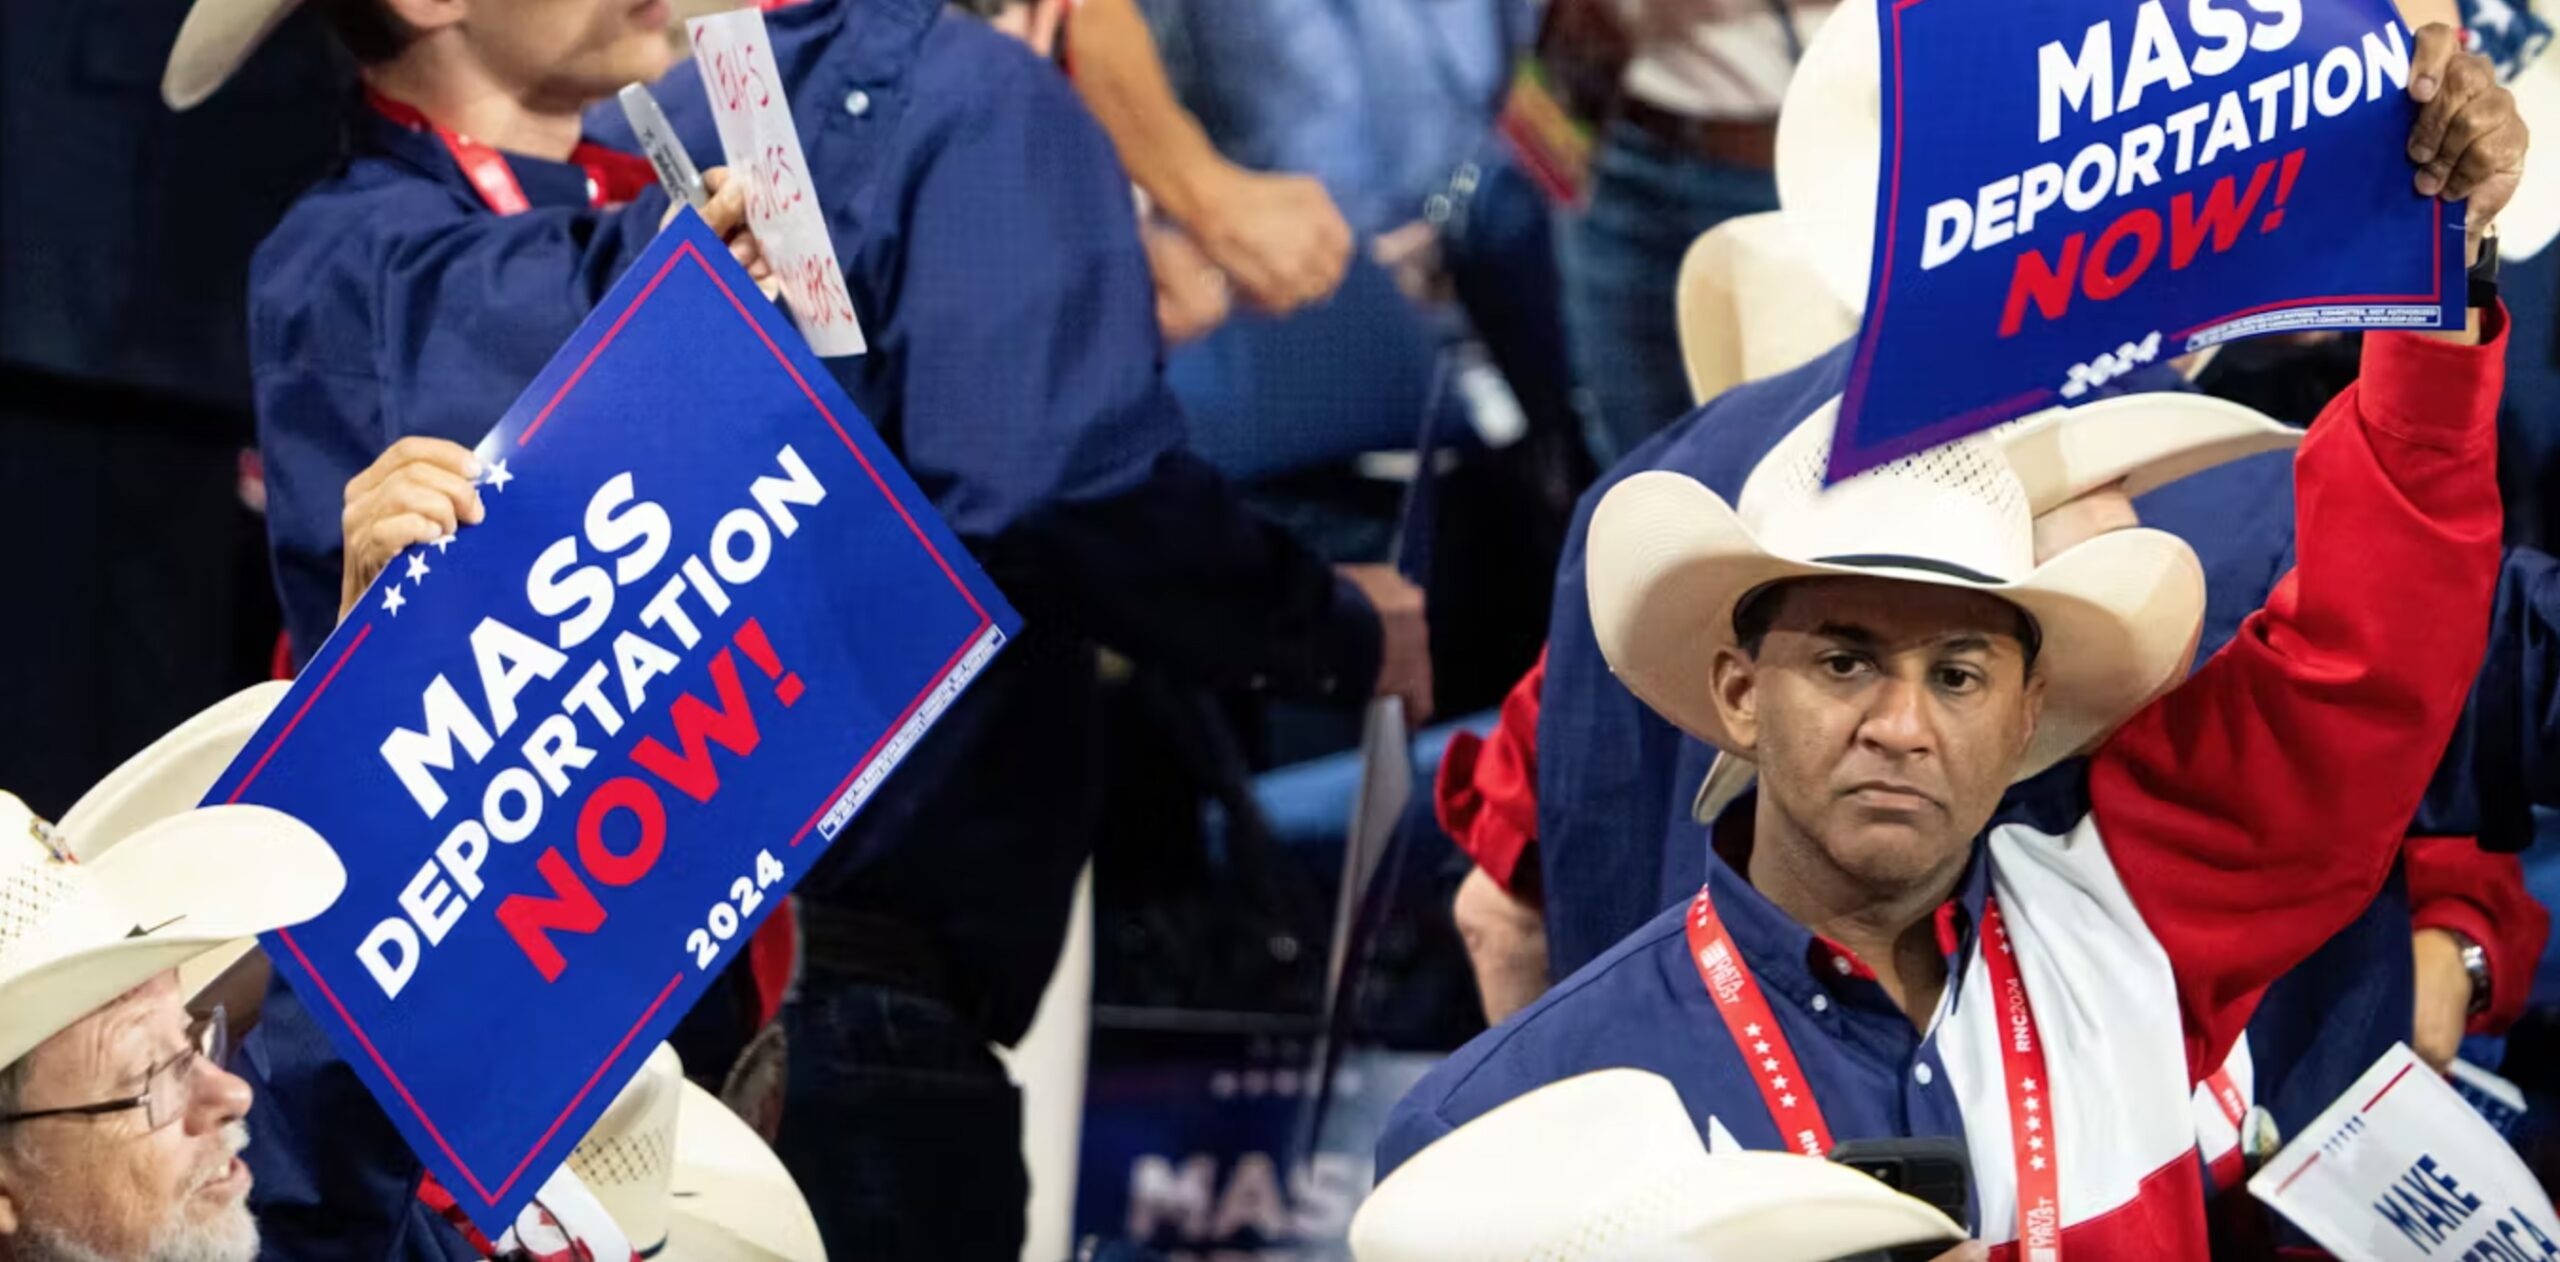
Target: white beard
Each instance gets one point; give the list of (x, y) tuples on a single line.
[(230, 1236)]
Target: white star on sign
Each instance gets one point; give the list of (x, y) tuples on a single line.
[(1770, 1064), (1786, 1101), (2035, 1163), (498, 477), (417, 566), (442, 544), (392, 600)]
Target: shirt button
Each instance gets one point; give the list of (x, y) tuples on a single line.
[(857, 102), (1840, 965), (1822, 1003), (1922, 1074)]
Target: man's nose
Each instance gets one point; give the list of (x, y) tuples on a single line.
[(218, 1098), (1898, 722)]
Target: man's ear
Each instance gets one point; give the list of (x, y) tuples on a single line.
[(2034, 704), (1735, 680)]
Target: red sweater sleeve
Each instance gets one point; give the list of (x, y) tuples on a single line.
[(1487, 793), (2454, 884), (2255, 810)]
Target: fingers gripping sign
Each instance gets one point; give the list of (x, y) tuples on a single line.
[(421, 490)]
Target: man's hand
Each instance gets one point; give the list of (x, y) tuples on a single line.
[(1278, 237), (419, 491), (1191, 293), (2469, 141), (726, 216), (1404, 640), (1506, 939), (1969, 1251), (2444, 998)]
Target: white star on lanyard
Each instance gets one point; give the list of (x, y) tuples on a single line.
[(2035, 1163), (1786, 1102), (1761, 1047), (392, 600), (2035, 1123), (2032, 1106), (1770, 1064), (417, 566), (2035, 1142), (2028, 1084), (1751, 1031), (1779, 1082), (498, 477)]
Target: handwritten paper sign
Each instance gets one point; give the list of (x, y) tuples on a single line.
[(753, 111), (572, 756), (2401, 1170), (2074, 188)]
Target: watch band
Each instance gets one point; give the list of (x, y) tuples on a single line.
[(2482, 279)]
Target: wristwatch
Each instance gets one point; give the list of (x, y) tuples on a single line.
[(2475, 965), (2483, 276)]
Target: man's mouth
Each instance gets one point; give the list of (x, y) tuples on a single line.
[(226, 1182), (1889, 795)]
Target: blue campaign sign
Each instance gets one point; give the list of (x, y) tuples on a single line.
[(2072, 188), (573, 756)]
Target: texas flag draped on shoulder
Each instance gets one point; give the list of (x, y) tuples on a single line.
[(2073, 188), (572, 756)]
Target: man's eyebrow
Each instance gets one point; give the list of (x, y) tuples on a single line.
[(1848, 633), (1967, 642)]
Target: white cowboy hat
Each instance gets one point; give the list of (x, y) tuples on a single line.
[(1752, 305), (2532, 217), (1608, 1165), (687, 1180), (75, 934), (2139, 443), (217, 36), (169, 777)]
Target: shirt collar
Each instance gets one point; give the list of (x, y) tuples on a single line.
[(1796, 962)]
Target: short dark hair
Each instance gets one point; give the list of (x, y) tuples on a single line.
[(368, 29), (1757, 611)]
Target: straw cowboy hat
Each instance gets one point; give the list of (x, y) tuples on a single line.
[(686, 1180), (1752, 305), (168, 778), (76, 933), (1608, 1165), (2138, 443), (2532, 218), (217, 36), (2119, 614)]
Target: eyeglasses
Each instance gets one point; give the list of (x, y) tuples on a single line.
[(165, 1088)]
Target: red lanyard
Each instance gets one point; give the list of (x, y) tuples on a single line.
[(2226, 1093), (1780, 1077), (613, 177)]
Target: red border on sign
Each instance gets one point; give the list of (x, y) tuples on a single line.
[(686, 251), (1969, 421)]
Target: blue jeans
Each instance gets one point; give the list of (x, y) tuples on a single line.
[(1621, 264), (901, 1128)]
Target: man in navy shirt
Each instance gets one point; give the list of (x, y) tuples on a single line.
[(1863, 923), (992, 254)]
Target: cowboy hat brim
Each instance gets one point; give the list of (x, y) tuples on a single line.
[(734, 1200), (1668, 561), (216, 38), (1751, 306), (167, 895), (1613, 1152), (2143, 441)]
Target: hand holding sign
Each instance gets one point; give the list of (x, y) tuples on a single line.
[(418, 492), (2469, 142)]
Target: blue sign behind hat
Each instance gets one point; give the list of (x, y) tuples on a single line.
[(2074, 188), (572, 757)]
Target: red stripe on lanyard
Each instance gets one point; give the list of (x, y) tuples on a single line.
[(2031, 1139), (613, 178), (1755, 1031), (2226, 1093), (1745, 1009)]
